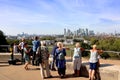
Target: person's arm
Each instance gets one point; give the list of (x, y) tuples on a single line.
[(82, 49), (19, 46), (26, 51), (38, 50), (100, 51), (90, 50), (55, 54), (64, 52), (39, 43), (54, 50), (33, 43)]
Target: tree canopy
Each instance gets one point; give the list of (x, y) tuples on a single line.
[(2, 39)]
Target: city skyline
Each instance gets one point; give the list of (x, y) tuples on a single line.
[(52, 16)]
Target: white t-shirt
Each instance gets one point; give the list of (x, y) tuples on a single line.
[(22, 45)]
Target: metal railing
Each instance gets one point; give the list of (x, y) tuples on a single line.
[(71, 49)]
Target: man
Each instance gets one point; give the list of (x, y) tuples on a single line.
[(53, 55), (44, 53), (21, 47), (36, 44)]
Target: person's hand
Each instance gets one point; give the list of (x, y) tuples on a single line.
[(29, 49), (100, 51)]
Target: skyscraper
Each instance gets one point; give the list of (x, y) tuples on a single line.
[(64, 31), (86, 32)]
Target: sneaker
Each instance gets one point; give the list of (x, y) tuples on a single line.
[(53, 69)]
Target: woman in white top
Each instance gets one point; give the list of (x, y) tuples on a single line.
[(93, 61), (77, 59)]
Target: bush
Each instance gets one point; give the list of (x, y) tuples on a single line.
[(85, 53), (105, 55)]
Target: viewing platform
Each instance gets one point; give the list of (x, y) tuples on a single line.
[(108, 70)]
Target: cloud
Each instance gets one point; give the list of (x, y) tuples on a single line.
[(58, 13)]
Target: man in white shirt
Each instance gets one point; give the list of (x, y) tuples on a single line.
[(21, 47)]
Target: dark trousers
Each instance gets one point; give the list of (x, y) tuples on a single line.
[(61, 71), (22, 56), (34, 58), (38, 60), (12, 57)]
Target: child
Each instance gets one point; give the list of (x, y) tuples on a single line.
[(26, 56), (77, 59)]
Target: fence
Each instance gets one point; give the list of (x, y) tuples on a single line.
[(69, 50)]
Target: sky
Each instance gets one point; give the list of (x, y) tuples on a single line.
[(52, 16)]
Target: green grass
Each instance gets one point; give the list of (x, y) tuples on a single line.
[(69, 52)]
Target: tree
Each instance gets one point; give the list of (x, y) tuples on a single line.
[(2, 40)]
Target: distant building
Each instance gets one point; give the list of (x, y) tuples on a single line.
[(68, 42), (65, 32), (91, 33), (86, 32), (79, 32), (48, 42)]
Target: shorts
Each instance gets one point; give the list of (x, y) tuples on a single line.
[(93, 66), (27, 58)]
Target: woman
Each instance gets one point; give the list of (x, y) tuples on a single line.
[(26, 55), (60, 59), (93, 61), (77, 59)]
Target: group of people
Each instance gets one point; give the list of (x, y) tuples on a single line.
[(77, 60), (40, 56)]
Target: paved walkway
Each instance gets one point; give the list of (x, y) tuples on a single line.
[(17, 72)]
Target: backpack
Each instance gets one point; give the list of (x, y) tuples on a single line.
[(61, 56), (44, 52)]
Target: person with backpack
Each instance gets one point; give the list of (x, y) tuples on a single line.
[(77, 59), (43, 53), (60, 59)]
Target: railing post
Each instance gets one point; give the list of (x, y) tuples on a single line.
[(71, 54)]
